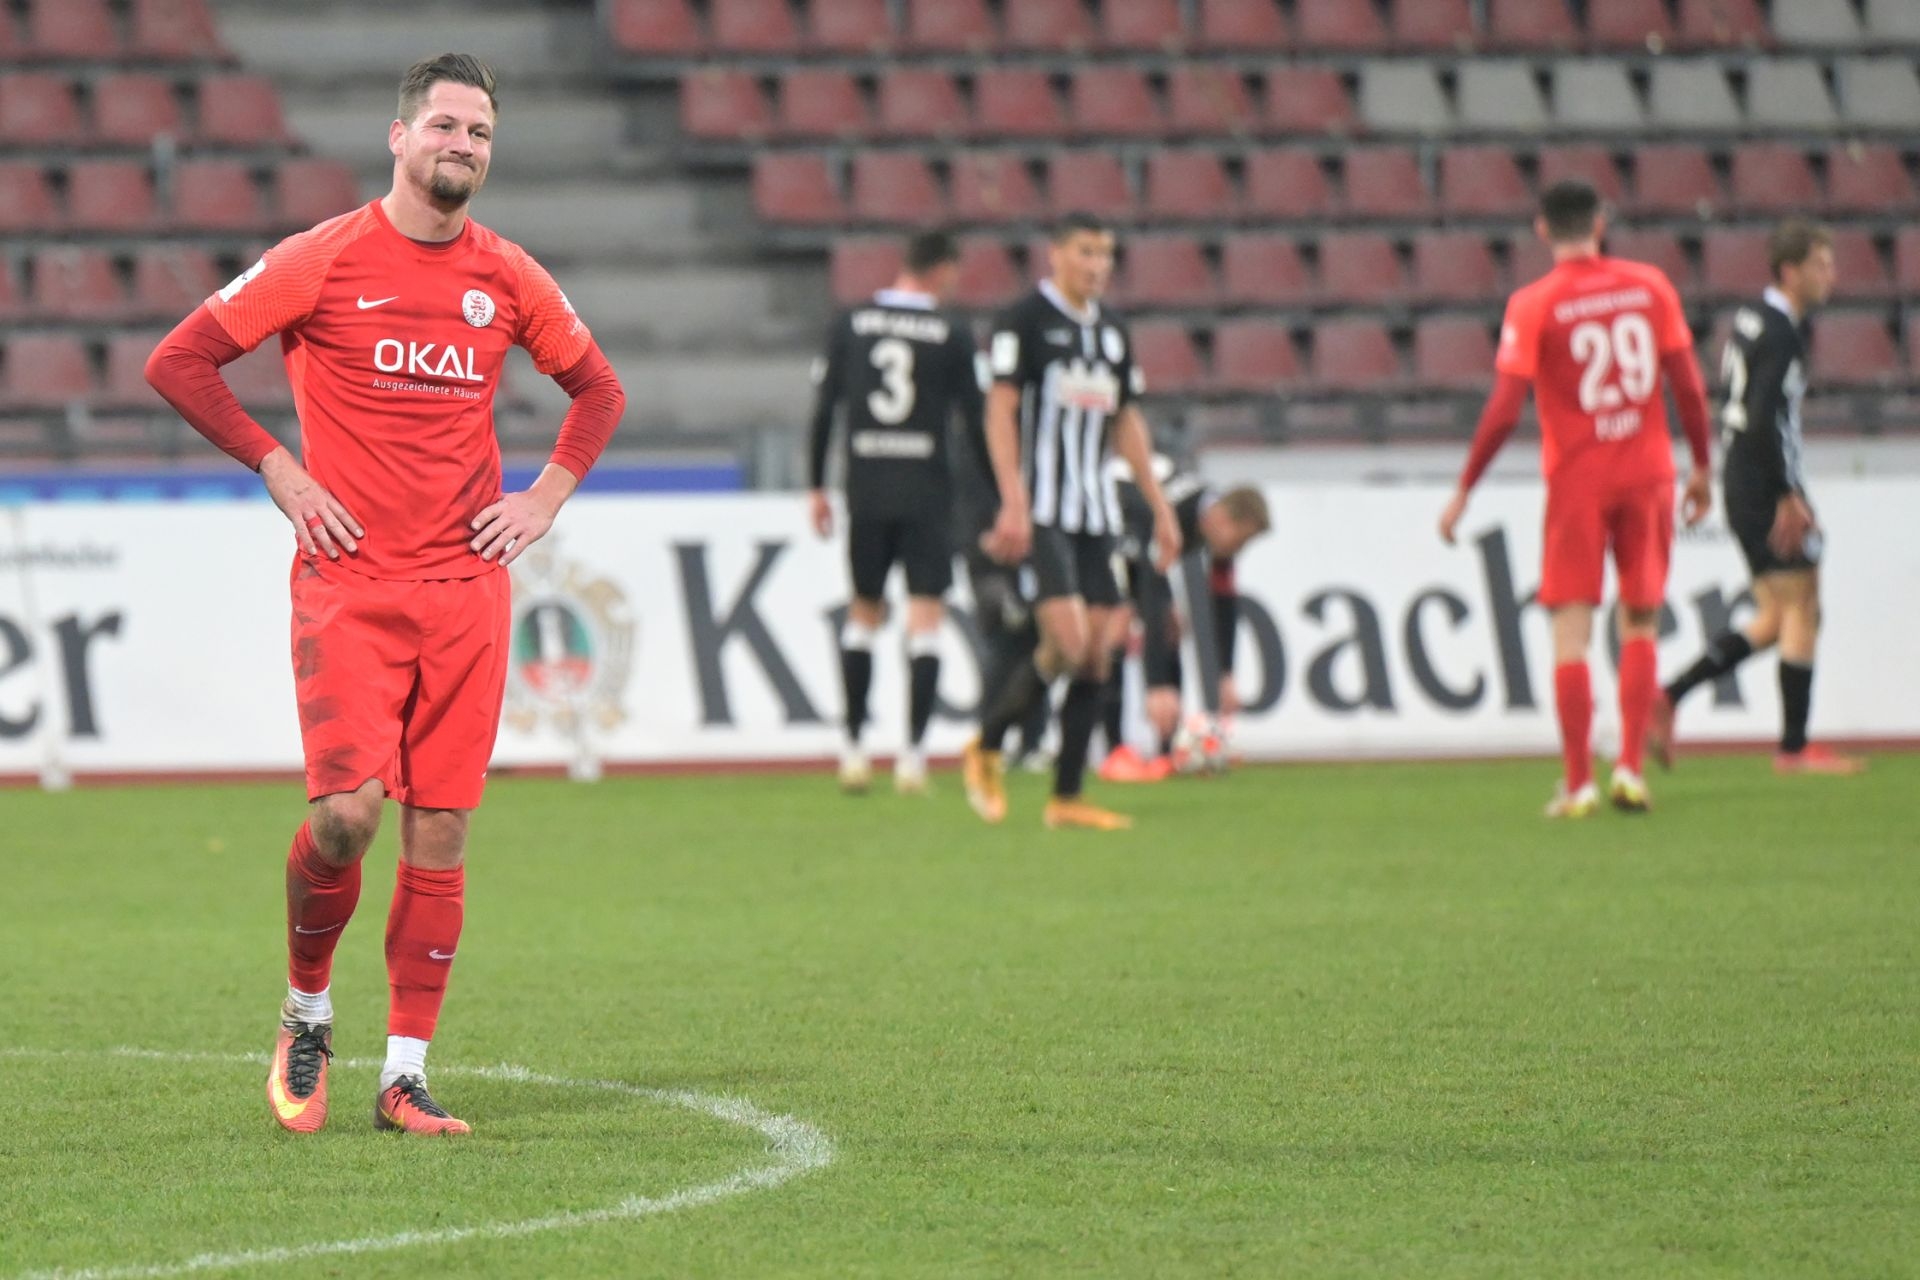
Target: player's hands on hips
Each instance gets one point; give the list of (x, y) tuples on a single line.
[(1011, 536), (321, 522), (1792, 522), (1697, 499), (820, 511), (1450, 518), (1166, 538), (511, 525)]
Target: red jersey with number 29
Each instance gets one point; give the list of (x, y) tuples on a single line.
[(1590, 335), (394, 348)]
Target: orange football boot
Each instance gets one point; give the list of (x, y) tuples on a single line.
[(1065, 811), (297, 1080), (984, 775), (405, 1106)]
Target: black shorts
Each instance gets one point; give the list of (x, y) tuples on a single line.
[(921, 546), (1074, 564), (1750, 516)]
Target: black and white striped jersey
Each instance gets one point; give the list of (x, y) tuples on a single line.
[(1764, 368), (1075, 372)]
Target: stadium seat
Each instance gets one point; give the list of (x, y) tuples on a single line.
[(895, 187), (1630, 24), (1168, 361), (1675, 178), (1354, 355), (1312, 100), (1595, 94), (1209, 100), (1166, 271), (724, 105), (1773, 177), (1089, 180), (1592, 164), (850, 27), (1723, 24), (1867, 178), (950, 26), (1115, 99), (1656, 248), (753, 26), (38, 109), (1483, 181), (171, 280), (26, 198), (822, 103), (1530, 24), (77, 284), (126, 386), (241, 111), (132, 109), (13, 294), (1242, 26), (1337, 24), (1454, 352), (1789, 93), (1263, 268), (1360, 266), (1288, 183), (1254, 356), (655, 28), (1854, 348), (1527, 258), (988, 277), (1403, 97), (1500, 96), (72, 30), (311, 189), (1454, 266), (1880, 92), (1017, 102), (860, 266), (1893, 21), (796, 187), (1432, 25), (994, 186), (1145, 26), (110, 195), (1816, 22), (259, 379), (217, 195), (1189, 185), (46, 370), (1690, 95), (1859, 269), (1048, 26), (173, 30), (1734, 262), (920, 102), (1385, 182)]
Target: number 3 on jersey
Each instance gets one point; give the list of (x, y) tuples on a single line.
[(1627, 344), (892, 404)]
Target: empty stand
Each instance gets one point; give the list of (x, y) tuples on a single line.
[(1403, 97), (1093, 181), (724, 104), (1482, 182), (171, 280), (1206, 99), (1773, 177), (45, 370), (1454, 266), (796, 187), (1289, 183), (994, 186), (1867, 178), (1595, 95), (77, 284), (1657, 248), (1310, 100), (1115, 99), (850, 27), (1452, 351), (1630, 24), (1692, 96), (895, 186), (1860, 271), (217, 195), (1188, 185), (1017, 102), (242, 111), (1142, 25), (110, 195), (1264, 269), (920, 102), (754, 26), (1432, 25), (1354, 355), (1254, 356), (1049, 26), (134, 108), (172, 30), (1385, 182), (1167, 271), (1501, 96), (1879, 92), (39, 109), (1530, 24), (1592, 164), (126, 386), (1527, 258), (1360, 266), (1789, 93), (1734, 261), (72, 30), (658, 28), (1723, 24), (822, 103), (988, 277), (1168, 361), (1348, 25), (862, 265), (26, 198), (1816, 22), (1241, 26), (311, 189), (950, 26), (1854, 348), (1675, 178)]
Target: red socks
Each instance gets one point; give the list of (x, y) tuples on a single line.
[(320, 901), (1573, 697), (1636, 700), (423, 929)]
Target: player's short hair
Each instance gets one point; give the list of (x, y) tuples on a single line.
[(1075, 221), (1793, 242), (930, 249), (1570, 208), (455, 68), (1248, 508)]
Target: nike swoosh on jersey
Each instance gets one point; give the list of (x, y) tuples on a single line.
[(365, 305)]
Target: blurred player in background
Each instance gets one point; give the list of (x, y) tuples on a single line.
[(395, 321), (1593, 337), (1764, 480), (1062, 401), (903, 369)]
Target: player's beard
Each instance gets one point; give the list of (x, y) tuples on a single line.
[(451, 188)]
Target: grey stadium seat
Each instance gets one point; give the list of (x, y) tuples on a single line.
[(1501, 96), (1591, 93), (1789, 93), (1825, 22), (1692, 95), (1403, 97), (1889, 21), (1879, 91)]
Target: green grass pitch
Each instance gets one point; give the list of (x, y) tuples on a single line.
[(1368, 1020)]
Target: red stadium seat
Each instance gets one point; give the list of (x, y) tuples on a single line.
[(171, 280), (1592, 164), (127, 385), (724, 104), (13, 296), (1530, 24), (655, 28), (1354, 355), (1017, 102), (1092, 181), (920, 102), (13, 45), (1906, 260), (796, 187), (311, 189), (1338, 24), (1166, 271), (1312, 100), (895, 186), (1288, 183), (1483, 182), (1112, 99), (1854, 348), (1527, 258), (1241, 26), (1168, 361), (39, 110), (26, 198), (77, 30), (218, 195), (1188, 185), (1734, 261), (988, 277), (1254, 355), (994, 186), (950, 26), (1453, 352), (1049, 26), (850, 26), (243, 111), (46, 370), (1656, 248), (77, 284), (822, 103), (861, 266), (1629, 24), (1859, 269), (1723, 23), (753, 26), (111, 195), (1867, 178), (1360, 266), (1145, 25), (1432, 25), (1773, 177), (1209, 100), (173, 29), (1674, 178), (1454, 266), (132, 109), (1263, 268), (1385, 182)]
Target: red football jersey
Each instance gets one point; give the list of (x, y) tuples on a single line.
[(394, 348), (1590, 335)]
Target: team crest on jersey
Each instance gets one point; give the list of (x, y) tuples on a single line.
[(1113, 344), (478, 308), (572, 646)]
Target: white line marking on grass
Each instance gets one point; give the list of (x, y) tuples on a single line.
[(797, 1148)]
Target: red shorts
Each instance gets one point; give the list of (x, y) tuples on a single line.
[(1583, 520), (400, 681)]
